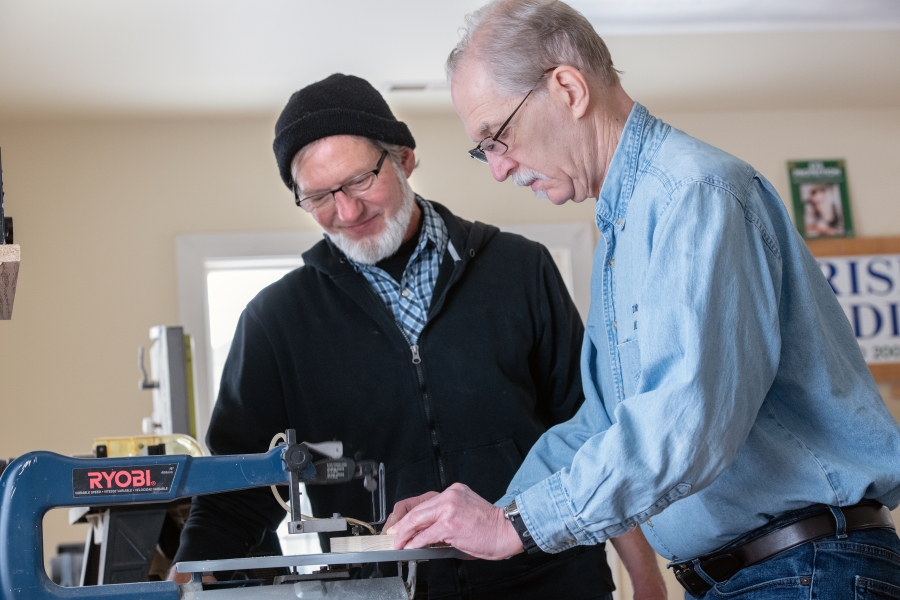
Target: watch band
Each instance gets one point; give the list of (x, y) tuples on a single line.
[(511, 512)]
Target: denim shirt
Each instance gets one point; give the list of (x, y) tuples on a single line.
[(723, 383)]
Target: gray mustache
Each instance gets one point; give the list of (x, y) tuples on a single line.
[(524, 177)]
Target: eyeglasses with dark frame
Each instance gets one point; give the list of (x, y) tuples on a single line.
[(354, 188), (492, 144)]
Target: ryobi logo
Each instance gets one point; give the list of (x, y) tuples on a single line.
[(122, 479), (155, 479)]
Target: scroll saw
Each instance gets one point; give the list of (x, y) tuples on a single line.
[(39, 481)]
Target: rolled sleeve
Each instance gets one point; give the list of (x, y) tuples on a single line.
[(552, 524)]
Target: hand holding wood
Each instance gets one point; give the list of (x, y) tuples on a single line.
[(461, 518)]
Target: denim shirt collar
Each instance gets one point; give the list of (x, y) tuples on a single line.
[(612, 202)]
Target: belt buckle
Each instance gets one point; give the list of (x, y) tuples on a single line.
[(690, 581)]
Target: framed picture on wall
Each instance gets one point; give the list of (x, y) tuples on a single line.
[(821, 202)]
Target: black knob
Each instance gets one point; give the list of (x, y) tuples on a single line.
[(296, 457)]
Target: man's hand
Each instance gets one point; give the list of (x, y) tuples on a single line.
[(404, 506), (461, 518)]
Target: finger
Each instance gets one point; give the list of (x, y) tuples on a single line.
[(418, 519), (403, 532), (400, 510), (403, 507), (435, 534)]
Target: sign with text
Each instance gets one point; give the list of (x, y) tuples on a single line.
[(868, 288)]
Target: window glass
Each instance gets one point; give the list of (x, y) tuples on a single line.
[(230, 285)]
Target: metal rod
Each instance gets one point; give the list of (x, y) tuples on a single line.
[(382, 496), (410, 578), (2, 218), (296, 515)]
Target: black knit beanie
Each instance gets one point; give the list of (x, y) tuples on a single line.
[(337, 105)]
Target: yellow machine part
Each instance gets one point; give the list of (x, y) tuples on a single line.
[(132, 446)]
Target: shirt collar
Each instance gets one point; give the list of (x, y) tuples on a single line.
[(612, 202), (433, 228)]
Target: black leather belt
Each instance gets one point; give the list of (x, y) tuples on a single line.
[(721, 566)]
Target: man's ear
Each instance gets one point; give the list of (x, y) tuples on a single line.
[(568, 86), (408, 160)]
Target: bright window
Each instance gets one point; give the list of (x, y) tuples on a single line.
[(230, 285)]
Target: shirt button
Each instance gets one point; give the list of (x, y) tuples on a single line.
[(405, 293), (612, 262), (618, 221), (615, 324)]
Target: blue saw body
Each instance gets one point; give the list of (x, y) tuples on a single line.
[(39, 481)]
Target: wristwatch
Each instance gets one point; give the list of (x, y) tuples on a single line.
[(511, 512)]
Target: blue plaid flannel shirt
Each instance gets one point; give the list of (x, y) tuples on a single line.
[(409, 300)]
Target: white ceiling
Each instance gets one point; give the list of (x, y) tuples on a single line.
[(629, 17), (150, 57)]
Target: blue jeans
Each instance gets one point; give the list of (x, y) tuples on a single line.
[(863, 565)]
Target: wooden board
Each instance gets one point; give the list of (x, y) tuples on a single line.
[(10, 254), (368, 543), (887, 372), (854, 246), (362, 543)]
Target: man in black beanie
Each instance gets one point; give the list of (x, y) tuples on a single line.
[(441, 347)]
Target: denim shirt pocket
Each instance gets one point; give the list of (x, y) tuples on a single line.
[(630, 360)]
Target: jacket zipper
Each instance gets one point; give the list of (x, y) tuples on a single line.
[(417, 360), (429, 413)]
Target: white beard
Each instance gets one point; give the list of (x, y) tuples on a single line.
[(370, 250), (524, 177)]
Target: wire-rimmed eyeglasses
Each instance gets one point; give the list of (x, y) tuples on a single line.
[(491, 144), (355, 187)]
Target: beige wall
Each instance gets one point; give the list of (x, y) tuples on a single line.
[(98, 204)]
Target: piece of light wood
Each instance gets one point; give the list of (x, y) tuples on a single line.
[(10, 255), (362, 543), (368, 543), (854, 246)]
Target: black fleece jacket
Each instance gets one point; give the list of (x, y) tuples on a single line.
[(318, 351)]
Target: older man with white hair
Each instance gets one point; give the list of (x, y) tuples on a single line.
[(729, 411)]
